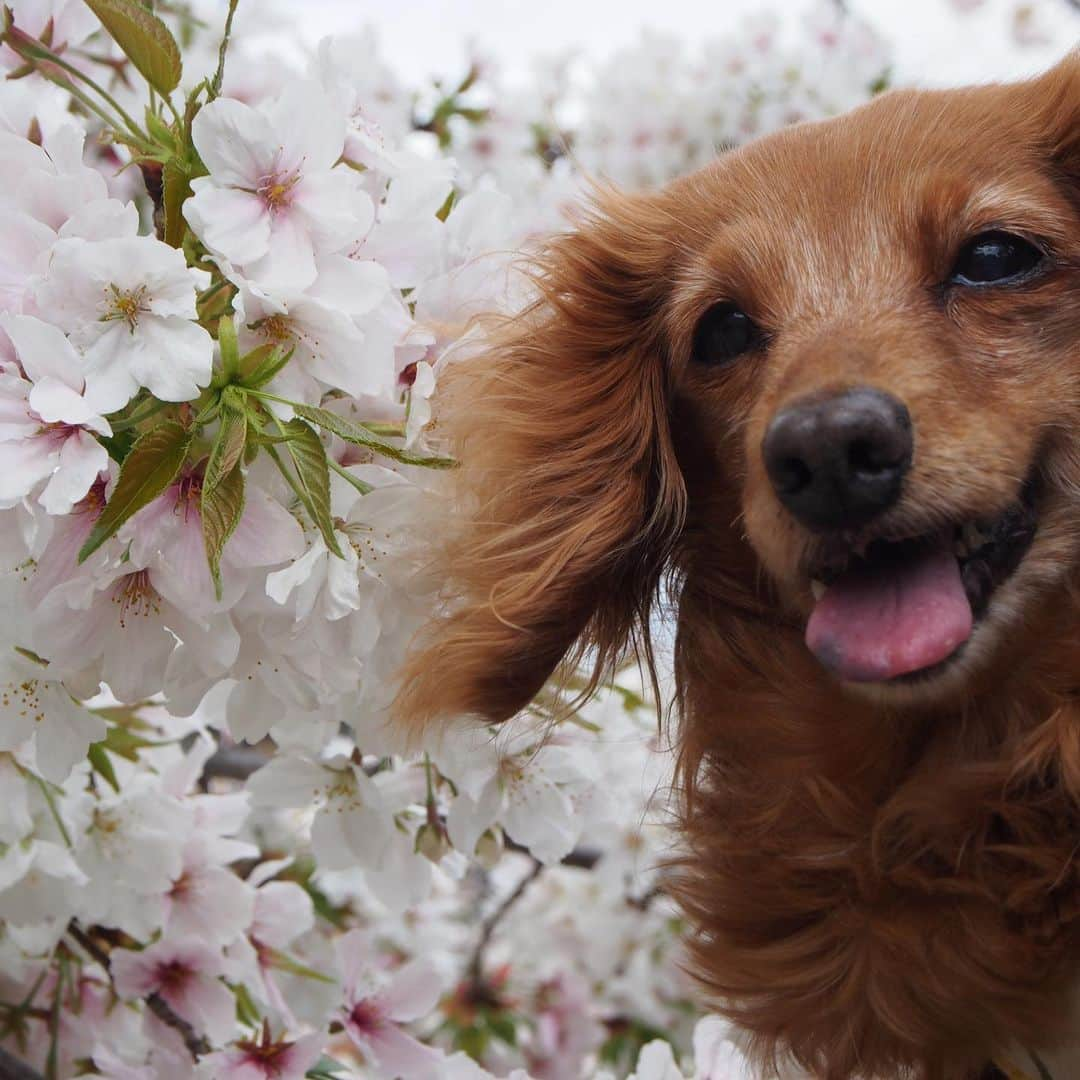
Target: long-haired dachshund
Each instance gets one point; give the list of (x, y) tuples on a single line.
[(830, 385)]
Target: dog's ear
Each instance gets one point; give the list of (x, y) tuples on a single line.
[(567, 480), (1057, 98)]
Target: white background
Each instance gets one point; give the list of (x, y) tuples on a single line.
[(934, 44)]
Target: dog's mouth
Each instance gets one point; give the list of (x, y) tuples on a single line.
[(900, 610)]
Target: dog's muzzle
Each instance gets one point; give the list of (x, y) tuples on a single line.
[(838, 461)]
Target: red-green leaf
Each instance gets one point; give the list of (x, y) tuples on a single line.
[(148, 470), (222, 508), (145, 40), (228, 447), (352, 433), (176, 187), (309, 459)]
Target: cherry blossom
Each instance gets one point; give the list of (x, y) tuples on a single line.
[(130, 304), (273, 199), (376, 1004), (167, 537), (186, 974), (264, 1058), (34, 706), (47, 427)]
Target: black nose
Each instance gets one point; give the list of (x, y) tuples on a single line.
[(836, 462)]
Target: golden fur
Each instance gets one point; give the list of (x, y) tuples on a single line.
[(881, 883)]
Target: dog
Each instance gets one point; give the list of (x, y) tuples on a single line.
[(827, 389)]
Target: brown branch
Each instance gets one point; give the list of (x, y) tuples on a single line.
[(196, 1044), (235, 762), (476, 964), (582, 858)]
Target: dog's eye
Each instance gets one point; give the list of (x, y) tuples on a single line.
[(724, 333), (995, 258)]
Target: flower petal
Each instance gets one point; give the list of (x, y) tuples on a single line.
[(235, 141), (81, 458)]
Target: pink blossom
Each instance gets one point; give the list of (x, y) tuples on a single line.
[(185, 974), (375, 1006), (265, 1058)]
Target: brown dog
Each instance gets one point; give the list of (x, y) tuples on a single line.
[(832, 382)]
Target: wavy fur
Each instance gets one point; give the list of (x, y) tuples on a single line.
[(880, 886)]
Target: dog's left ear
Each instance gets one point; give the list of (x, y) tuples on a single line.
[(568, 496), (1057, 99)]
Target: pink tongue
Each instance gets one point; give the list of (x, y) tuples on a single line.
[(877, 622)]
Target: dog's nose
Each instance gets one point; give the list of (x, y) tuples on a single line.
[(836, 462)]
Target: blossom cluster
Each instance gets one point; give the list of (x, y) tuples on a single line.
[(226, 298)]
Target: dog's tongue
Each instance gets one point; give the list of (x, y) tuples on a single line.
[(891, 618)]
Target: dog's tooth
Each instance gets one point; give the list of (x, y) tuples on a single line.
[(817, 588)]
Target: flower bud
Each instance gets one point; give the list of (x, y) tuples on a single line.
[(489, 848), (432, 842)]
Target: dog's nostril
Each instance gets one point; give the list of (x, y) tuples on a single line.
[(869, 457), (792, 475), (836, 462)]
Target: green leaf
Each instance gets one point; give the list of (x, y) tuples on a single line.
[(326, 1068), (126, 744), (247, 1011), (265, 367), (228, 447), (502, 1026), (355, 481), (176, 188), (100, 763), (145, 40), (149, 468), (222, 508), (283, 962), (160, 132), (309, 459), (119, 445), (359, 436), (230, 349)]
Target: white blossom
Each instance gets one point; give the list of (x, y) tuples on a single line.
[(130, 305)]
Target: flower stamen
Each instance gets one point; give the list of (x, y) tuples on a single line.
[(275, 189), (135, 596), (126, 305)]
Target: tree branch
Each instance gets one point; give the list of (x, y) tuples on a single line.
[(196, 1044), (476, 964)]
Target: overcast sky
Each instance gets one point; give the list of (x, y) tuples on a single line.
[(421, 37)]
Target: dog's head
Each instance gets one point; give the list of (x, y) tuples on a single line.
[(834, 377)]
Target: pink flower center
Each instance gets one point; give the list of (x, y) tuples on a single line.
[(57, 431), (94, 500), (181, 887), (125, 304), (275, 328), (136, 597), (366, 1016), (271, 1059), (188, 495), (276, 189), (172, 976)]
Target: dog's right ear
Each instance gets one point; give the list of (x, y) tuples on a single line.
[(1057, 98), (567, 494)]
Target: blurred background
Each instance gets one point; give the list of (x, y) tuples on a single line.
[(937, 42)]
